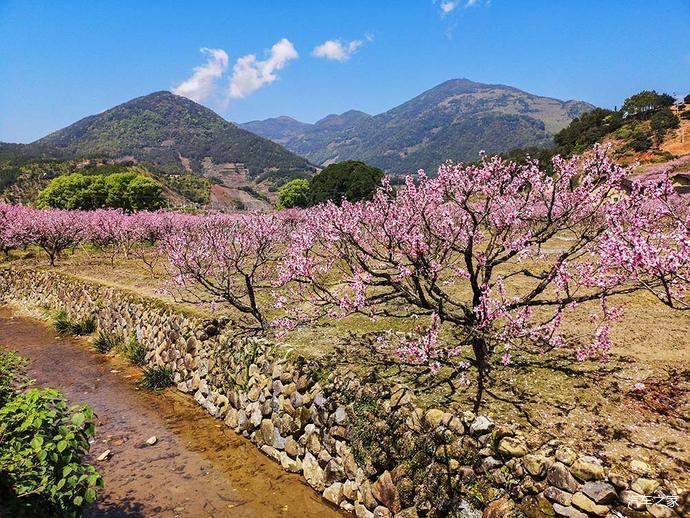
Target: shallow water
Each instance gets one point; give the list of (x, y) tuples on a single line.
[(198, 467)]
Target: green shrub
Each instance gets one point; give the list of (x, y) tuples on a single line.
[(43, 442), (106, 341), (156, 378), (294, 193), (351, 180), (134, 351)]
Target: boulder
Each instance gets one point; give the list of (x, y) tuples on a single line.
[(568, 511), (587, 468), (536, 465), (334, 493), (362, 512), (385, 492), (558, 495), (481, 425), (313, 472), (290, 464), (565, 455), (512, 447), (559, 475), (433, 417), (644, 486), (600, 492), (581, 501)]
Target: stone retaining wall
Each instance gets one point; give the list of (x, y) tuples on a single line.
[(366, 449)]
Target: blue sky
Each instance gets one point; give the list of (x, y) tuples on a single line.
[(63, 60)]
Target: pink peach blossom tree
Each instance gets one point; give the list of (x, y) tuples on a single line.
[(495, 252)]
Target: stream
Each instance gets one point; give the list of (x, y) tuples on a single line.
[(198, 466)]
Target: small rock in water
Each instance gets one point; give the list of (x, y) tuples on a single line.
[(152, 440), (104, 456)]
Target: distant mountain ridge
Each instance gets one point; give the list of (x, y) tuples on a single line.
[(454, 120), (166, 129)]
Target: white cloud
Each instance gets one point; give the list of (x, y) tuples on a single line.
[(339, 50), (249, 74), (447, 7), (202, 83)]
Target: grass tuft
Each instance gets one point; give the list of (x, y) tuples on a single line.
[(156, 378), (134, 351), (64, 325), (106, 341)]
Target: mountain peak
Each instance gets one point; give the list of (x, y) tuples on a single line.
[(168, 129), (453, 120)]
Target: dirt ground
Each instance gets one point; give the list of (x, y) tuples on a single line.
[(592, 406), (198, 466)]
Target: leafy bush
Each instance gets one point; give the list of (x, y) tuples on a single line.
[(130, 191), (587, 129), (64, 325), (351, 179), (43, 442), (640, 142), (11, 374), (134, 351), (685, 115), (295, 193), (156, 378), (662, 121), (105, 341)]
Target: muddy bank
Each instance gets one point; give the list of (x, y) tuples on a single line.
[(198, 467)]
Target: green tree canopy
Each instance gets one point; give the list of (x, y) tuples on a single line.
[(584, 131), (644, 103), (130, 191), (294, 193), (352, 180), (686, 99)]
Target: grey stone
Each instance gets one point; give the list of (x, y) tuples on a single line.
[(644, 486), (536, 465), (481, 425), (362, 512), (340, 415), (600, 492), (313, 472), (558, 495), (587, 468), (565, 455), (334, 493), (568, 511), (581, 501), (559, 475), (512, 447)]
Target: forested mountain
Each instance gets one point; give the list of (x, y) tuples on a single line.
[(163, 128), (454, 120)]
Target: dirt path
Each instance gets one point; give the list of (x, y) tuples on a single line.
[(197, 468)]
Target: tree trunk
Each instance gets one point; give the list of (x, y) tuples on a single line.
[(481, 355)]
